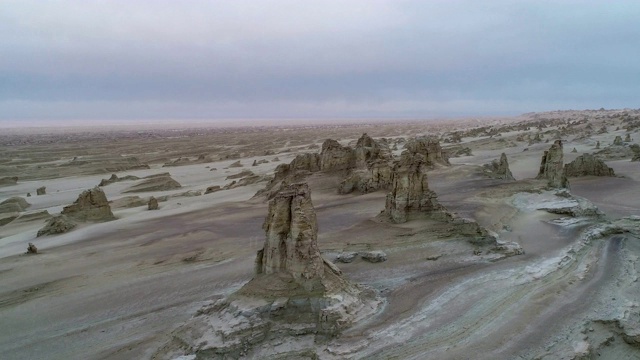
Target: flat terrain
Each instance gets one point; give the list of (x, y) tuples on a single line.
[(116, 289)]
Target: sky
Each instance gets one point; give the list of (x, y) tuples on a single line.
[(137, 60)]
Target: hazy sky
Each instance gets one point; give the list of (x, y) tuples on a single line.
[(134, 59)]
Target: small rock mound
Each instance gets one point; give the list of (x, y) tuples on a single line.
[(41, 190), (588, 165), (91, 205), (57, 225)]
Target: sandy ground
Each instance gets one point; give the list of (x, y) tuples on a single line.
[(116, 290)]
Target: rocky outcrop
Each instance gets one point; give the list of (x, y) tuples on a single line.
[(41, 190), (499, 169), (587, 165), (300, 167), (13, 204), (335, 157), (114, 178), (236, 164), (5, 181), (91, 205), (429, 147), (410, 193), (153, 204), (636, 152), (240, 175), (374, 256), (552, 167), (57, 225), (162, 182), (295, 298), (212, 189), (291, 244), (368, 150), (202, 158), (32, 249), (627, 138), (618, 141), (376, 176), (372, 167)]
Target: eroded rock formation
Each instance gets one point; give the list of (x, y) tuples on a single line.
[(13, 204), (636, 152), (160, 182), (618, 141), (552, 167), (499, 169), (8, 180), (335, 157), (41, 190), (114, 178), (91, 205), (153, 203), (430, 148), (291, 245), (32, 249), (296, 297), (410, 193), (373, 167), (587, 164), (57, 225)]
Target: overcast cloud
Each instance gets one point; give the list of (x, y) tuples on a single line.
[(134, 59)]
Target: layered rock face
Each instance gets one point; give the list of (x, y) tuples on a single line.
[(586, 165), (430, 148), (91, 205), (552, 167), (409, 190), (291, 245), (499, 169)]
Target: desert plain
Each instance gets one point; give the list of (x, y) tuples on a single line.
[(549, 269)]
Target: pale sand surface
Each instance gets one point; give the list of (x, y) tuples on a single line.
[(116, 290)]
